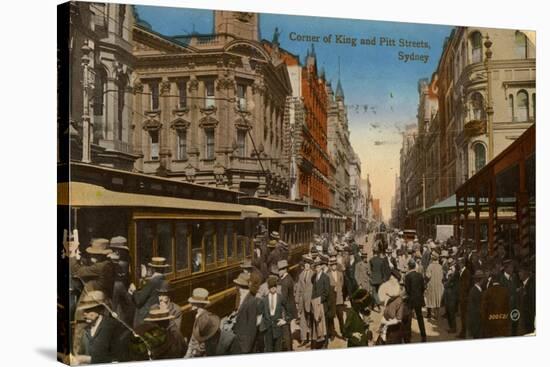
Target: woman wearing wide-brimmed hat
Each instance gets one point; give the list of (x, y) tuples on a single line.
[(434, 288)]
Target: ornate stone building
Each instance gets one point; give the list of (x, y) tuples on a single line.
[(101, 65), (210, 109)]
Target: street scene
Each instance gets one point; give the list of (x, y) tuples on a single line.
[(233, 182)]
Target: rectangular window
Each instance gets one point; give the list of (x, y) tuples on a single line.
[(209, 146), (241, 96), (145, 239), (209, 243), (154, 134), (209, 94), (220, 241), (182, 144), (154, 96), (241, 142), (182, 246), (196, 247), (182, 88), (164, 242), (230, 238)]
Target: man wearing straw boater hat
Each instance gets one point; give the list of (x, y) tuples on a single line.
[(304, 288), (147, 296), (246, 317), (165, 301), (99, 275), (99, 342), (161, 317), (199, 300)]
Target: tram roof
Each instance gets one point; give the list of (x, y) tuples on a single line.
[(81, 194), (281, 214)]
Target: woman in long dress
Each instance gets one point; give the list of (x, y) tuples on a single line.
[(434, 288)]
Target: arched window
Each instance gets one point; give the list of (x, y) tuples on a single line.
[(534, 105), (477, 106), (523, 106), (521, 45), (511, 107), (475, 41), (99, 91), (479, 155)]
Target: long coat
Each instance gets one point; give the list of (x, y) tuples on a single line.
[(414, 286), (321, 288), (474, 312), (495, 311), (146, 297), (378, 270), (434, 289), (450, 294), (304, 288), (355, 324), (464, 285), (362, 275), (338, 285), (245, 326), (287, 292)]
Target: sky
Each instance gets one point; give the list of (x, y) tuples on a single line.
[(380, 89)]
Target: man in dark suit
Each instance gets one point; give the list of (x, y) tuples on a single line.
[(101, 338), (474, 305), (510, 280), (287, 293), (148, 295), (245, 320), (379, 271), (321, 290), (495, 309), (414, 286), (275, 317), (526, 300), (464, 285), (450, 285)]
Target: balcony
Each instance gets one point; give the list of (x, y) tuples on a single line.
[(475, 127)]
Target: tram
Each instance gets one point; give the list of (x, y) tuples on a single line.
[(203, 232)]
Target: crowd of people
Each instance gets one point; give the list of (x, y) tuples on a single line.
[(332, 293)]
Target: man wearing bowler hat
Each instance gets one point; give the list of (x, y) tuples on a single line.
[(464, 285), (414, 286), (319, 305), (474, 305)]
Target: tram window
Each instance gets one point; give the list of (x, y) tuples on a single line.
[(182, 246), (196, 247), (209, 242), (220, 241), (230, 239), (164, 241), (145, 237), (240, 242)]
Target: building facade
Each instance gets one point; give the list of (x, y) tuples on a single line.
[(101, 67), (210, 109)]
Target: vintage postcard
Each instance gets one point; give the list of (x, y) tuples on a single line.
[(233, 182)]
